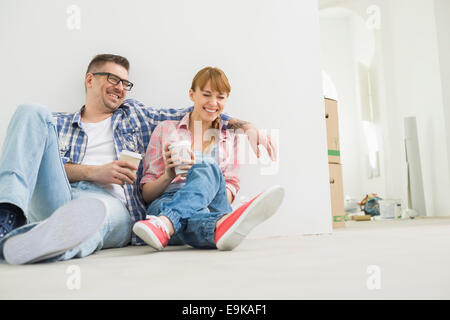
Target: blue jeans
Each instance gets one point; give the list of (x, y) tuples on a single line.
[(32, 176), (195, 208)]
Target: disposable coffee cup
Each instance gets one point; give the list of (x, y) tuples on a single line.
[(133, 157), (181, 152)]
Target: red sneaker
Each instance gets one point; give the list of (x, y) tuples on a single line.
[(235, 228), (153, 232)]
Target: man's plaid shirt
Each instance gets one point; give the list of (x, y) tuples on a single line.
[(132, 123)]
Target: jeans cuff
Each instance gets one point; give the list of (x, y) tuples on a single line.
[(174, 218), (209, 228)]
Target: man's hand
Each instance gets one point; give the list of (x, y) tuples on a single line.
[(256, 137), (117, 172)]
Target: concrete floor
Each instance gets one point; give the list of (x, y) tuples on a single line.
[(402, 259)]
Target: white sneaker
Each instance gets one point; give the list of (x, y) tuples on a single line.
[(66, 228)]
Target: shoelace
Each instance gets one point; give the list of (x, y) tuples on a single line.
[(3, 232), (7, 226), (159, 223)]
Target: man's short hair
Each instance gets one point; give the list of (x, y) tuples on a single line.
[(100, 59)]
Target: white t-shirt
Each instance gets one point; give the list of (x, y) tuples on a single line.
[(100, 150)]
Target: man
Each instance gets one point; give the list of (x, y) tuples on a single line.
[(60, 171)]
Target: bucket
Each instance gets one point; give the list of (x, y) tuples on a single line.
[(390, 208)]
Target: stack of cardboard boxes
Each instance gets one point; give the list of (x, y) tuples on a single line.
[(334, 163)]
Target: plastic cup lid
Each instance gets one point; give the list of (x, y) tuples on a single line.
[(180, 143)]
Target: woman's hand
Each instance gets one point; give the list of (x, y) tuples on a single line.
[(170, 165)]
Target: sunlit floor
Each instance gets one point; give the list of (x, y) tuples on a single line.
[(402, 259)]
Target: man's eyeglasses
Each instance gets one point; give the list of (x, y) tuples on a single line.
[(112, 78)]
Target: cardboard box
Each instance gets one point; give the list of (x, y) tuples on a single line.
[(331, 116), (337, 195)]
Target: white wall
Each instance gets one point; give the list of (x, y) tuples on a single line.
[(269, 50), (412, 52), (345, 44), (415, 74), (338, 62), (442, 12)]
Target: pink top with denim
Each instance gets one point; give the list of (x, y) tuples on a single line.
[(171, 131)]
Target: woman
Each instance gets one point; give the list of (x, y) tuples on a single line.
[(187, 209)]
